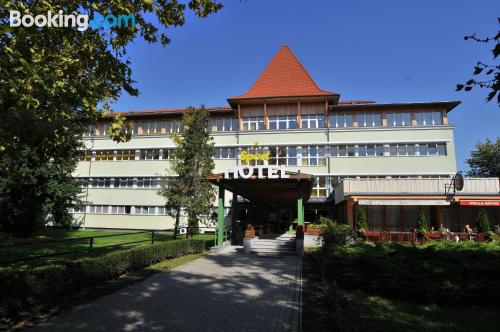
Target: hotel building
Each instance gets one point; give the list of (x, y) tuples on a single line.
[(394, 159)]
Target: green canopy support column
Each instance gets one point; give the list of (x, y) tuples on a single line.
[(220, 217), (300, 209)]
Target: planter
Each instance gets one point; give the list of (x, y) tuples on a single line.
[(313, 230)]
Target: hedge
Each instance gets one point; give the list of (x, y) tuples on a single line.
[(39, 285)]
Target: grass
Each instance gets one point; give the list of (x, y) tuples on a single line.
[(12, 248), (394, 287)]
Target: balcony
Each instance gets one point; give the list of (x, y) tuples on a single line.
[(421, 187)]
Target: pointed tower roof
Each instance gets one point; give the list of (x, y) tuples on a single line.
[(284, 76)]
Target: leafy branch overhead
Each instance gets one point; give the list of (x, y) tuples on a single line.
[(55, 82), (486, 76)]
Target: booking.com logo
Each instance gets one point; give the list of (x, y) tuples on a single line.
[(78, 21)]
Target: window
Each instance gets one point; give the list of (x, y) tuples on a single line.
[(320, 187), (350, 151), (283, 122), (225, 153), (253, 123), (98, 209), (104, 155), (441, 149), (429, 118), (101, 129), (313, 121), (402, 149), (125, 155), (398, 119), (340, 121), (85, 155), (145, 210), (223, 124), (149, 154), (151, 127), (100, 182), (117, 209), (313, 156), (126, 183), (161, 210), (369, 120)]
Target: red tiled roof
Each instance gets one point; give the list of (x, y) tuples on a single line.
[(284, 76)]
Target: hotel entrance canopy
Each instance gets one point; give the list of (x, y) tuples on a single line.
[(263, 187), (268, 190)]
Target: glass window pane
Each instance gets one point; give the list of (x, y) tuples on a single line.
[(436, 116), (379, 150), (350, 150), (432, 149), (348, 120), (362, 150), (391, 120), (428, 118), (411, 149), (370, 150), (441, 149), (342, 150), (393, 150), (423, 149)]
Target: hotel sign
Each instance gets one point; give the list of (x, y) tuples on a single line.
[(261, 172), (247, 171), (467, 202)]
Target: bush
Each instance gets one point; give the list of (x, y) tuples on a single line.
[(422, 223), (443, 273), (483, 224), (334, 234), (20, 289), (361, 222)]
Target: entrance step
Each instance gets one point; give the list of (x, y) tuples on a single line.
[(278, 246)]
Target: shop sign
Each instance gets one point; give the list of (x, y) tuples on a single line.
[(467, 202)]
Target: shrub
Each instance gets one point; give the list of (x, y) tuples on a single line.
[(334, 234), (422, 223), (483, 224), (20, 289), (361, 222)]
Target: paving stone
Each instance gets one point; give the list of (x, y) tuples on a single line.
[(227, 291)]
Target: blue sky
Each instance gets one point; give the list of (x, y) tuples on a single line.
[(387, 51)]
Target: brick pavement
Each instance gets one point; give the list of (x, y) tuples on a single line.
[(228, 291)]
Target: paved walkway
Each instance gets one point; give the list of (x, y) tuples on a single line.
[(228, 291)]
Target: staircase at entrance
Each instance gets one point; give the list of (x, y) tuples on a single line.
[(274, 245)]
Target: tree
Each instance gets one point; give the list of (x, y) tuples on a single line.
[(485, 161), (192, 162), (422, 223), (491, 73), (361, 221), (54, 82), (482, 221), (174, 197)]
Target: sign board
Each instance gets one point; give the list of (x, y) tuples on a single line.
[(260, 172), (471, 202), (458, 181)]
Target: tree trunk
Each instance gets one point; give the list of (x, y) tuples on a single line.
[(177, 219)]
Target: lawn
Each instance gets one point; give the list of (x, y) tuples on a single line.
[(394, 287), (59, 241)]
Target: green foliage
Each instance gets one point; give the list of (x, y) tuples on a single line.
[(485, 160), (439, 272), (483, 224), (490, 73), (54, 83), (20, 288), (192, 163), (422, 223), (334, 234), (361, 222)]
